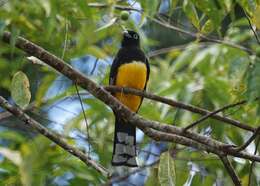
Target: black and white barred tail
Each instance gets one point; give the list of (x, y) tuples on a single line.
[(124, 153)]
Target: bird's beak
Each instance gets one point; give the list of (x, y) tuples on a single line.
[(126, 34)]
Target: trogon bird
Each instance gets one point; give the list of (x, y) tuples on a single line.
[(130, 68)]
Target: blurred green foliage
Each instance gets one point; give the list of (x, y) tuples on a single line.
[(208, 75)]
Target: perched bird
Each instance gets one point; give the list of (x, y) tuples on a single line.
[(130, 68)]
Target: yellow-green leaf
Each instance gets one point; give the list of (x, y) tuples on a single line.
[(207, 27), (191, 13), (20, 89), (166, 172), (108, 24), (153, 177), (256, 17)]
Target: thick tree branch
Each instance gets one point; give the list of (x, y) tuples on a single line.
[(52, 136), (174, 134), (155, 130), (4, 115), (230, 170), (181, 105)]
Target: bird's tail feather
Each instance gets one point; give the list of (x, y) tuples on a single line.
[(124, 153)]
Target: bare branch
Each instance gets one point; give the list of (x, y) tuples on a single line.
[(177, 29), (245, 145), (4, 115), (231, 171), (251, 26), (52, 136), (173, 134), (181, 105), (213, 113), (84, 115), (119, 7), (201, 37), (166, 50), (253, 162), (155, 130)]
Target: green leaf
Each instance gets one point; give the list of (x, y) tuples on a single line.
[(186, 57), (20, 89), (256, 17), (191, 13), (238, 67), (15, 33), (46, 5), (210, 9), (166, 172), (153, 177), (172, 5), (13, 156), (208, 27), (108, 24), (150, 6)]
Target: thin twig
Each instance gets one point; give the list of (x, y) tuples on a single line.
[(94, 67), (118, 7), (65, 40), (6, 114), (201, 37), (166, 50), (126, 176), (253, 162), (251, 26), (245, 145), (230, 170), (177, 29), (16, 111), (213, 113), (85, 117)]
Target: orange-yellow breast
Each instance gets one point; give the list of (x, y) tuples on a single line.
[(131, 75)]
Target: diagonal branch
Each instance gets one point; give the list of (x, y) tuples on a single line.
[(181, 105), (213, 113), (253, 162), (201, 36), (52, 136), (245, 145), (251, 26), (177, 29), (230, 170), (155, 130)]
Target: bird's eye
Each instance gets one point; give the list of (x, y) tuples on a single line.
[(135, 36)]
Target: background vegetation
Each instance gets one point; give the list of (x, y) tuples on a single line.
[(87, 35)]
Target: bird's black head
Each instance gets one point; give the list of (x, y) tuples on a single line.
[(130, 39)]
